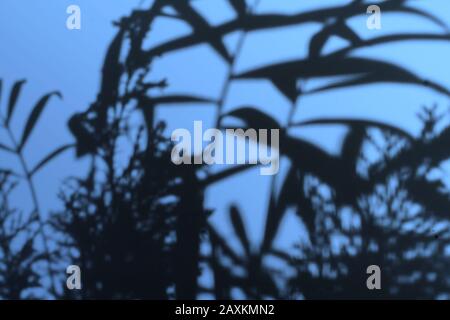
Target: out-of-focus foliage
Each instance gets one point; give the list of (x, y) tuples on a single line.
[(357, 183), (400, 225), (121, 224), (20, 225), (136, 227), (19, 258)]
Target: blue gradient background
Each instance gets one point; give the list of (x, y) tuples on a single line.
[(36, 45)]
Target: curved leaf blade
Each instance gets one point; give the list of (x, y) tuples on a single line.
[(15, 92), (268, 21), (175, 99), (254, 118), (357, 122), (367, 71), (50, 157), (340, 29), (383, 77), (34, 117)]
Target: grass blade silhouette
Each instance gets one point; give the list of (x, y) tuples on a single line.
[(50, 157), (34, 117), (15, 92)]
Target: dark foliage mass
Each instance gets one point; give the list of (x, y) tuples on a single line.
[(136, 226), (18, 258)]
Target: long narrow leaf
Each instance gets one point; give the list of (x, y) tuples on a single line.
[(382, 77), (356, 122), (368, 71), (254, 118), (15, 92), (267, 21), (390, 38), (34, 117), (175, 99), (50, 157)]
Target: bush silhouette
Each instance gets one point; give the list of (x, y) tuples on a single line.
[(136, 223)]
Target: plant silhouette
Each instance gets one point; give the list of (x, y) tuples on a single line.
[(16, 147), (19, 258), (136, 224)]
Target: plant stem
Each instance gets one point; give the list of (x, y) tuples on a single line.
[(36, 210), (226, 86)]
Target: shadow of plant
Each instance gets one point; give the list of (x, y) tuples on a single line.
[(136, 223)]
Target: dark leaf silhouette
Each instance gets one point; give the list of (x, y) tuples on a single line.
[(34, 117), (15, 92), (387, 39), (35, 216), (318, 185), (357, 122), (340, 29), (50, 157), (367, 70), (17, 263), (174, 100), (254, 118), (138, 225), (267, 21)]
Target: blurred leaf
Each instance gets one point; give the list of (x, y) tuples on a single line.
[(340, 29), (425, 15), (357, 122), (49, 157), (254, 118), (367, 71), (272, 20), (15, 92), (174, 100), (405, 78), (389, 38), (312, 159), (288, 87), (34, 117)]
